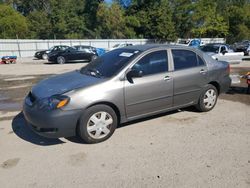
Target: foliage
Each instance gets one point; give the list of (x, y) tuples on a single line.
[(182, 17), (12, 23), (155, 21), (207, 22), (112, 23), (163, 20)]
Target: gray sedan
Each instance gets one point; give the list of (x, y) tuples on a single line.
[(123, 85)]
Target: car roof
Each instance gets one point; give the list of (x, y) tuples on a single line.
[(84, 46), (61, 45), (215, 44), (146, 47)]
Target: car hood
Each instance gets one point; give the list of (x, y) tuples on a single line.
[(63, 83), (42, 51), (210, 53)]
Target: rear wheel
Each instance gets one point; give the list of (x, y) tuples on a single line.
[(60, 60), (45, 56), (97, 124), (207, 99)]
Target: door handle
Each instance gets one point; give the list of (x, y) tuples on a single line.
[(167, 78), (202, 71)]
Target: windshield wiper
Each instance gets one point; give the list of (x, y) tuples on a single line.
[(93, 72)]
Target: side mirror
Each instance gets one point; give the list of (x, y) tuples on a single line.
[(134, 74), (224, 51)]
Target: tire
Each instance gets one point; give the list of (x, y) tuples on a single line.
[(60, 60), (97, 124), (208, 99), (45, 56)]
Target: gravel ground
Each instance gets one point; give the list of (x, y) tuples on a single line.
[(183, 148)]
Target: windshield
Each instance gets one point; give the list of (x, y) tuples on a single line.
[(51, 48), (117, 45), (110, 63), (210, 48), (71, 48)]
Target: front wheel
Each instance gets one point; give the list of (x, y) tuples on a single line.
[(208, 99), (97, 124)]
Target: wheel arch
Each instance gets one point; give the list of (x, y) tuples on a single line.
[(216, 85), (111, 105)]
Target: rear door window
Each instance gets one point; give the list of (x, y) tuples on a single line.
[(184, 59)]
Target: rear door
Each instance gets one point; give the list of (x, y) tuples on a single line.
[(83, 53), (71, 54), (154, 90), (190, 76)]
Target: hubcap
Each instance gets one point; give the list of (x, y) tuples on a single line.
[(99, 125), (209, 98), (60, 60), (45, 56)]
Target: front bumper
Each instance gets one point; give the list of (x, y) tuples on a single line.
[(38, 56), (53, 124), (52, 58)]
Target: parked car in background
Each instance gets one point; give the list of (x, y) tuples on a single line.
[(196, 43), (73, 54), (100, 51), (44, 53), (121, 45), (123, 85), (8, 59), (91, 49), (248, 51), (242, 46), (222, 52)]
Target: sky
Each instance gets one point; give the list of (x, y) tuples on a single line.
[(126, 3), (108, 1)]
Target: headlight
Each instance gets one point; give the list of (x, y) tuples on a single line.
[(53, 102)]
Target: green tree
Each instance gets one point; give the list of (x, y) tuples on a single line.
[(182, 17), (112, 23), (237, 14), (69, 23), (207, 21), (39, 25), (13, 24), (27, 6), (155, 19)]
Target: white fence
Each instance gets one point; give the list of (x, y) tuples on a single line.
[(27, 48)]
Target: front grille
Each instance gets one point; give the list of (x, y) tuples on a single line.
[(45, 130)]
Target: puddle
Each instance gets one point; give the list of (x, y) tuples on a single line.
[(20, 78), (10, 106), (2, 98), (14, 89)]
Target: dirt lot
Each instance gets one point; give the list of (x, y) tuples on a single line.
[(183, 148)]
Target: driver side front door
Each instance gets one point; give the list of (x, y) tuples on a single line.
[(153, 92)]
